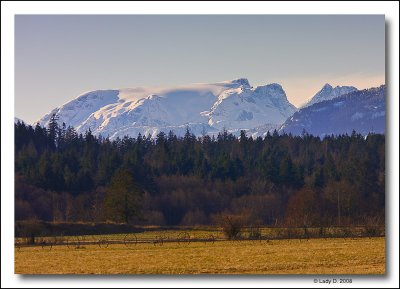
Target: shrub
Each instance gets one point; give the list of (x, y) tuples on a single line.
[(255, 233), (232, 226), (372, 226)]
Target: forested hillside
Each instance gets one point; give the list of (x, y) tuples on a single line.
[(277, 180)]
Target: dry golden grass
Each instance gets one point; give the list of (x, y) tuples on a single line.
[(315, 256)]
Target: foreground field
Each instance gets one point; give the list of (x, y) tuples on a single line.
[(314, 256)]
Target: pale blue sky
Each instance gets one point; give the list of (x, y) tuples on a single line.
[(59, 57)]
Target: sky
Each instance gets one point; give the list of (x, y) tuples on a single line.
[(58, 57)]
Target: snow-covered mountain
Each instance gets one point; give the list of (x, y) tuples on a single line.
[(360, 110), (204, 108), (328, 92), (16, 120)]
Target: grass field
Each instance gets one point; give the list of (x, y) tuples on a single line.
[(313, 256)]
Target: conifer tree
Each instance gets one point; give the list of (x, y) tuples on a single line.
[(123, 197)]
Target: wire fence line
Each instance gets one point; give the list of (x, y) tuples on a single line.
[(185, 238)]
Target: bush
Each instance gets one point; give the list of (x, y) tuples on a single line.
[(254, 233), (372, 231), (232, 226), (346, 232), (372, 227)]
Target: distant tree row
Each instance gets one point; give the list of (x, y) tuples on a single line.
[(170, 180)]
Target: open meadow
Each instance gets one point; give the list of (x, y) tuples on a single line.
[(283, 256)]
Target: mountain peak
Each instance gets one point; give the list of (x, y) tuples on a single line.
[(276, 86), (241, 81), (327, 86), (327, 92), (272, 89)]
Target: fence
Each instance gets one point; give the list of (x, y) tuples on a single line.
[(184, 238)]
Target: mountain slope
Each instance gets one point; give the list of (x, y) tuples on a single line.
[(16, 120), (204, 108), (328, 92), (362, 111)]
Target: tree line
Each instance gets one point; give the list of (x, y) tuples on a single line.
[(280, 179)]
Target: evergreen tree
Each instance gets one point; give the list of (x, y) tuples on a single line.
[(53, 130), (123, 197)]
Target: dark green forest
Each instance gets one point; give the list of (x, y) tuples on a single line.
[(285, 180)]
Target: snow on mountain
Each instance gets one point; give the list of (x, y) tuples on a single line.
[(204, 108), (245, 107), (262, 130), (360, 110), (328, 92), (16, 120), (75, 112)]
